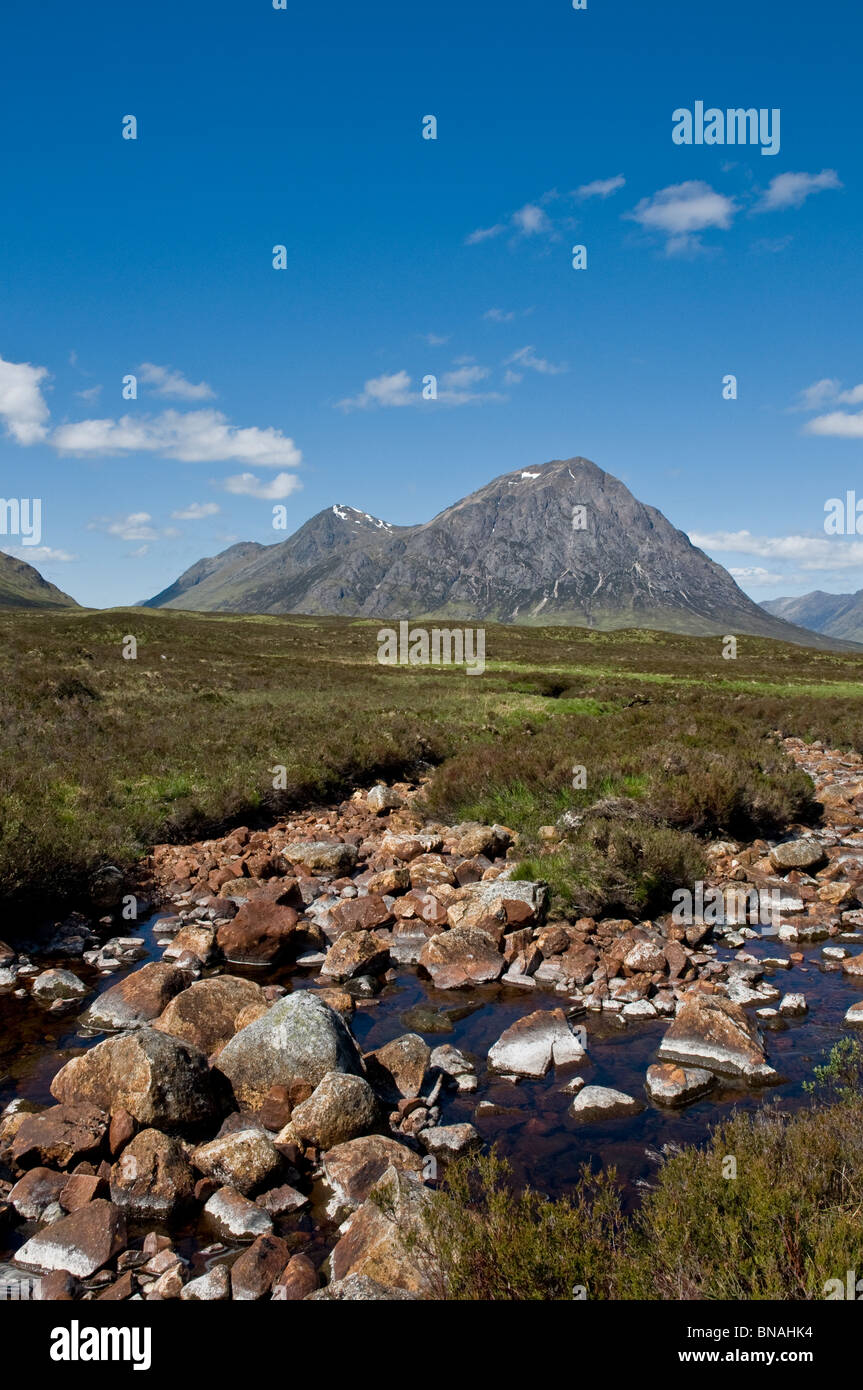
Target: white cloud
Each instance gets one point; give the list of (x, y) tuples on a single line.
[(23, 411), (526, 357), (756, 576), (809, 552), (682, 210), (40, 554), (166, 382), (247, 485), (196, 511), (792, 190), (838, 424), (134, 527), (392, 389), (435, 339), (92, 393), (600, 188), (199, 436), (528, 221), (819, 394)]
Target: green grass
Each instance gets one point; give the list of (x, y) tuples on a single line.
[(102, 757)]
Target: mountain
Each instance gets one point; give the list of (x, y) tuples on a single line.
[(23, 587), (512, 552), (836, 615)]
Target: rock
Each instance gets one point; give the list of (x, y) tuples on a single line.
[(514, 903), (206, 1013), (255, 1270), (39, 1189), (793, 1005), (196, 939), (61, 1135), (297, 1281), (356, 953), (358, 1288), (668, 1084), (260, 934), (530, 1046), (400, 1066), (716, 1034), (429, 869), (352, 1169), (342, 1107), (450, 1141), (299, 1039), (138, 999), (461, 957), (80, 1243), (797, 854), (359, 914), (152, 1179), (161, 1081), (231, 1216), (853, 965), (376, 1239), (382, 798), (282, 1201), (58, 1286), (59, 984), (106, 887), (595, 1103), (321, 857), (489, 840), (121, 1130), (243, 1160), (79, 1189), (212, 1287), (855, 1013)]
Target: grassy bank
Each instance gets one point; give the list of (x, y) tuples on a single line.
[(102, 756)]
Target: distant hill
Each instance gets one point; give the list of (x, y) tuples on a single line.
[(21, 586), (512, 552), (835, 615)]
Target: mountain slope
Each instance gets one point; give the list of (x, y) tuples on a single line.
[(511, 552), (836, 615), (21, 586)]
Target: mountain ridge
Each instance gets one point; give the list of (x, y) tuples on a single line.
[(22, 586), (557, 543)]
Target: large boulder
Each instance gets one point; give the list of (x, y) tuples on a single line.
[(805, 854), (260, 934), (340, 1108), (299, 1039), (138, 999), (461, 957), (161, 1081), (80, 1243), (359, 914), (376, 1241), (532, 1044), (716, 1034), (512, 903), (206, 1013), (151, 1180)]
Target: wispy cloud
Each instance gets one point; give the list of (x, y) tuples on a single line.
[(600, 188), (137, 526), (808, 552), (40, 554), (840, 424), (197, 511), (792, 190), (531, 220), (165, 381), (527, 357)]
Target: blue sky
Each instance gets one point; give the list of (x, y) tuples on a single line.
[(407, 257)]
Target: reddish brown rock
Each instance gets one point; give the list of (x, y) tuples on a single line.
[(60, 1136), (297, 1281), (360, 914), (260, 934), (138, 999), (461, 957), (356, 953), (255, 1270), (208, 1013)]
